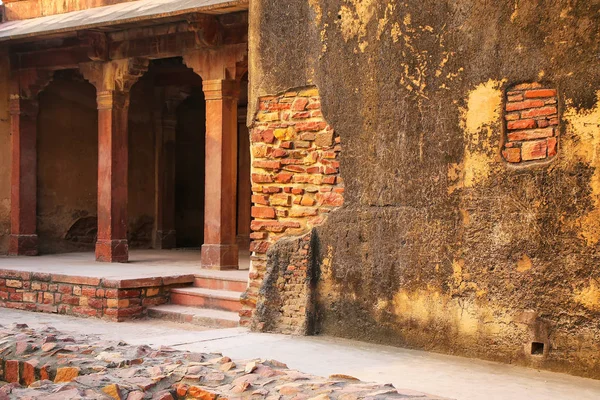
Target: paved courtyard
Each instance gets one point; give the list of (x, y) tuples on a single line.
[(439, 375)]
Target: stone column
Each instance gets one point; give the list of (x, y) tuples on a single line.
[(113, 81), (113, 110), (164, 231), (23, 237), (25, 85), (220, 250)]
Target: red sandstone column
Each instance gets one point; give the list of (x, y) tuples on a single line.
[(220, 250), (113, 107), (23, 120), (165, 235)]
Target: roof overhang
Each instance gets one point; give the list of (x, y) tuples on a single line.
[(140, 11)]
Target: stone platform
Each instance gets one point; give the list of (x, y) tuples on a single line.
[(75, 284)]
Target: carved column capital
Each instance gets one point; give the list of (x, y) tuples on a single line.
[(218, 89), (119, 75), (221, 63), (27, 84)]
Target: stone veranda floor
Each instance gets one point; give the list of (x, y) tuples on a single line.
[(439, 375)]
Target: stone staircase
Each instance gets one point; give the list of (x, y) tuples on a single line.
[(213, 300)]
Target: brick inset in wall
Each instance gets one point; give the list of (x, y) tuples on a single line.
[(531, 114), (295, 178)]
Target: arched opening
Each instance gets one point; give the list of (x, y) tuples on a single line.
[(67, 165), (166, 158), (189, 171)]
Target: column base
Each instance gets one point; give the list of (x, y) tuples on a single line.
[(220, 256), (113, 251), (165, 240), (23, 245)]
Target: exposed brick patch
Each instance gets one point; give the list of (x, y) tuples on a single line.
[(531, 113), (296, 182), (115, 300), (285, 300)]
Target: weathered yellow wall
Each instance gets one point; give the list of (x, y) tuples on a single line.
[(441, 244)]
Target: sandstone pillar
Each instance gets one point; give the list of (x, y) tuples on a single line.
[(113, 109), (166, 121), (220, 250), (25, 87), (23, 237), (113, 81)]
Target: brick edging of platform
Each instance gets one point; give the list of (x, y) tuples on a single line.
[(112, 299)]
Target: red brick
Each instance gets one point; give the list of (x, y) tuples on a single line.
[(267, 164), (330, 199), (300, 104), (552, 143), (41, 276), (88, 291), (29, 372), (539, 112), (522, 105), (11, 371), (260, 199), (263, 212), (537, 93), (512, 155), (531, 134), (111, 293), (516, 97), (127, 294), (258, 235), (301, 115), (65, 289), (262, 178), (534, 150), (271, 189), (303, 212), (279, 106), (71, 300), (10, 274), (16, 297), (295, 168), (283, 177), (278, 153), (525, 86), (314, 125), (522, 124), (259, 246), (264, 136), (95, 303), (287, 145), (542, 123)]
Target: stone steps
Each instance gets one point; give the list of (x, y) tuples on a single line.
[(195, 316), (229, 282), (213, 301), (207, 298)]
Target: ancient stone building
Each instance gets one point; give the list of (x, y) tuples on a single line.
[(421, 173)]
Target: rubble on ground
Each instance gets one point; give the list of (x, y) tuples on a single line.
[(50, 365)]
